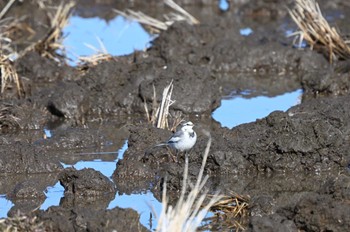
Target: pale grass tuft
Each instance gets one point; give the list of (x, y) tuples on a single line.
[(159, 114), (316, 30), (21, 222), (94, 59), (189, 212), (9, 75), (101, 54), (231, 213), (158, 25), (53, 40), (163, 112), (7, 119)]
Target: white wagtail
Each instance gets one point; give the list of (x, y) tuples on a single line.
[(182, 140)]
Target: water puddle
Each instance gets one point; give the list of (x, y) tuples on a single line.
[(105, 167), (145, 204), (5, 206), (90, 36), (53, 196), (238, 110), (224, 5)]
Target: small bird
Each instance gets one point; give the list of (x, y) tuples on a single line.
[(182, 140)]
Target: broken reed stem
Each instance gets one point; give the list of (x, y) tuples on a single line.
[(162, 116), (6, 8), (51, 41), (158, 25), (189, 18), (316, 30), (8, 75)]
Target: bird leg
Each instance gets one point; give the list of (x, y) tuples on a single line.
[(172, 156)]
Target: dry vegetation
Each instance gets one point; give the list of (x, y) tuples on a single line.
[(7, 119), (230, 213), (159, 113), (21, 223), (53, 40), (315, 29), (46, 46), (156, 25), (189, 211), (9, 76)]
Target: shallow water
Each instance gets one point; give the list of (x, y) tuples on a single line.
[(145, 204), (90, 36), (5, 206), (239, 109)]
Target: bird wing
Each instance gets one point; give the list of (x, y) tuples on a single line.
[(176, 137)]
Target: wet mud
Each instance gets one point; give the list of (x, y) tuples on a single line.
[(294, 165)]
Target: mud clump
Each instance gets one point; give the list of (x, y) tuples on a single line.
[(88, 219), (33, 159), (85, 183)]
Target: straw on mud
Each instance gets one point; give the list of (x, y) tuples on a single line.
[(316, 30), (143, 19), (179, 9), (9, 75), (52, 40), (180, 15), (187, 214), (7, 119), (102, 54), (21, 222), (94, 59)]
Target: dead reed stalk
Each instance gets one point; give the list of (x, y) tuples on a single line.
[(52, 41), (316, 30), (21, 222), (179, 14), (9, 75), (159, 114)]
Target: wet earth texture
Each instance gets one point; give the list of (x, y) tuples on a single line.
[(294, 165)]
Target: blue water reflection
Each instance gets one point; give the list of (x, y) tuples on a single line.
[(143, 203), (5, 206), (87, 36), (239, 110)]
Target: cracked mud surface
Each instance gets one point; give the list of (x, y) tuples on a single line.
[(294, 165)]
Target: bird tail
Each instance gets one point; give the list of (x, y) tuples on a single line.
[(158, 145)]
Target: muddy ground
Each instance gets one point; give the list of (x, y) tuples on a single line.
[(294, 165)]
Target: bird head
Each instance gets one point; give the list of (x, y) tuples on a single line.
[(187, 126)]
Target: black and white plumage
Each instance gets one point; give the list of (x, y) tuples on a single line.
[(184, 139)]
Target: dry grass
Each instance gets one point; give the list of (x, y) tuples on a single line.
[(20, 223), (9, 76), (230, 211), (189, 211), (101, 55), (7, 119), (53, 40), (47, 46), (159, 113), (158, 25), (316, 30), (94, 59)]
